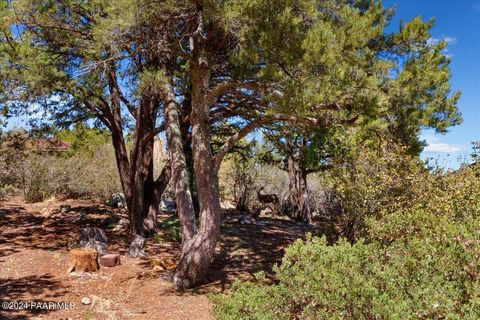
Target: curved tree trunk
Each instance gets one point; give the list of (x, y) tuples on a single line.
[(197, 253)]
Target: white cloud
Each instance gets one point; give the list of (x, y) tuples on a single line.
[(442, 148), (432, 41), (435, 145), (448, 40)]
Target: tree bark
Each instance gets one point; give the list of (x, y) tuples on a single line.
[(142, 192), (118, 141), (186, 139), (143, 204), (83, 260), (197, 253), (178, 164), (298, 192)]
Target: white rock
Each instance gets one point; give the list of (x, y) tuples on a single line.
[(86, 301), (121, 224), (228, 205), (117, 200)]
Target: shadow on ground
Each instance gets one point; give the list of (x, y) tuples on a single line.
[(13, 291), (243, 250)]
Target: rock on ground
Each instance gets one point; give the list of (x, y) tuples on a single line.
[(95, 238), (117, 200), (168, 206)]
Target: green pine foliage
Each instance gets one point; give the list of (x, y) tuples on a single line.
[(83, 139)]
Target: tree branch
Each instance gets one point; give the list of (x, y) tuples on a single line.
[(220, 89), (252, 126)]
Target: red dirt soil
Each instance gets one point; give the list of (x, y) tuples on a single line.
[(34, 244)]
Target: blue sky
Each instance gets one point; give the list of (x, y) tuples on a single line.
[(458, 23)]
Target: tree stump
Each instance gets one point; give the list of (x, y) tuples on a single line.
[(83, 260)]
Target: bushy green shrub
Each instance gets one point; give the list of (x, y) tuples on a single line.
[(40, 176), (370, 184), (422, 279), (417, 262), (440, 200)]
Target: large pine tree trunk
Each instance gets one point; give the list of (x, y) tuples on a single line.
[(299, 207), (197, 253)]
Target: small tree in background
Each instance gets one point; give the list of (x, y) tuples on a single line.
[(83, 140)]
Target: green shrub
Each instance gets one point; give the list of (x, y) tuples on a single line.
[(422, 279), (441, 199), (371, 185), (417, 262), (39, 176)]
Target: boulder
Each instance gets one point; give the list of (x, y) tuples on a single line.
[(95, 238), (121, 224), (247, 219), (65, 208), (168, 206), (110, 260), (117, 200)]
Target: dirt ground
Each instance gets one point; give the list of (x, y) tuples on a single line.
[(35, 240)]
